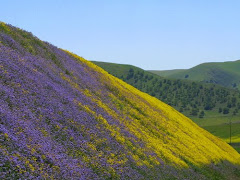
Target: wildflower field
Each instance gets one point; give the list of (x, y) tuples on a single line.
[(63, 117)]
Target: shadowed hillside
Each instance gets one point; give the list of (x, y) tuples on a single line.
[(62, 117)]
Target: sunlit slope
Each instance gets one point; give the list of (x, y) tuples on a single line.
[(223, 73), (62, 117), (157, 123)]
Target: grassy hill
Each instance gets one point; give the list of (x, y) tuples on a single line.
[(223, 73), (63, 117)]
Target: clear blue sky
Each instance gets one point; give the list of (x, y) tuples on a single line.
[(151, 34)]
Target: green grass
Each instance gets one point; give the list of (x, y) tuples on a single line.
[(220, 127), (224, 73), (213, 119), (116, 69), (237, 148), (223, 131)]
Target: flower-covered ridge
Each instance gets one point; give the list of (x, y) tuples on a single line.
[(63, 117)]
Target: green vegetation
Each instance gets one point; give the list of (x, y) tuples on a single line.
[(237, 148), (223, 132), (219, 125), (224, 73)]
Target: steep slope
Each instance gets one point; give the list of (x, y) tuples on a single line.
[(223, 73), (63, 117)]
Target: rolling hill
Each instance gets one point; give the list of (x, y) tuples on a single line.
[(223, 73), (63, 117)]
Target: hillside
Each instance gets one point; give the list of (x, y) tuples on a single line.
[(223, 73), (62, 117), (190, 98)]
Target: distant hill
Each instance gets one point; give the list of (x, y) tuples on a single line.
[(63, 117), (223, 73), (166, 73)]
